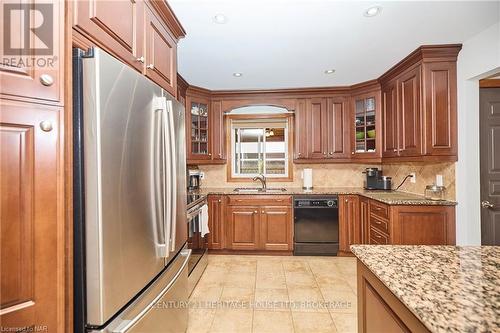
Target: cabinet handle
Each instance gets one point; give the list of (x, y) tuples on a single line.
[(46, 126), (46, 80), (140, 59), (150, 66)]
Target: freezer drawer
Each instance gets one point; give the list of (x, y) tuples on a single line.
[(162, 307)]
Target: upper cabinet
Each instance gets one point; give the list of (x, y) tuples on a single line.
[(365, 122), (143, 34), (160, 53), (419, 106), (205, 130), (320, 127), (21, 77)]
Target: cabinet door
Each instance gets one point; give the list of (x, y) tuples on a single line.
[(197, 129), (217, 131), (116, 24), (276, 228), (440, 125), (364, 221), (216, 210), (350, 231), (317, 128), (390, 120), (409, 113), (300, 129), (33, 70), (31, 225), (337, 128), (243, 223), (161, 54)]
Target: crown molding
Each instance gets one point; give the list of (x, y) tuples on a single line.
[(168, 16)]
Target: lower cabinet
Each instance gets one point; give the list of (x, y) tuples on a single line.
[(243, 227), (216, 214), (258, 223), (366, 221)]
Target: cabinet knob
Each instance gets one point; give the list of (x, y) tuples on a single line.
[(46, 126), (219, 200), (324, 153), (140, 59), (395, 150), (150, 66), (209, 154), (255, 211), (46, 80), (352, 153), (331, 153), (300, 154), (220, 155), (262, 212)]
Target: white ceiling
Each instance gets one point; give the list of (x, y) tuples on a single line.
[(288, 44)]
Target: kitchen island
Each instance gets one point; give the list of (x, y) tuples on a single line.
[(428, 288)]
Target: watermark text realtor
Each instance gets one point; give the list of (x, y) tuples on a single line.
[(28, 35)]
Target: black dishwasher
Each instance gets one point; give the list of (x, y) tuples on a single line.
[(316, 225)]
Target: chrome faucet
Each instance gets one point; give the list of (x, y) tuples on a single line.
[(262, 179)]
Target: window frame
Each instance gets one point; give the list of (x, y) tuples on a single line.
[(289, 137)]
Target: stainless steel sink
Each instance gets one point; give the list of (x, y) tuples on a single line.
[(259, 190)]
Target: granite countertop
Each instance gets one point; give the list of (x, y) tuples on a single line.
[(448, 288), (390, 198)]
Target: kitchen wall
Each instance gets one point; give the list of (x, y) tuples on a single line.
[(348, 175)]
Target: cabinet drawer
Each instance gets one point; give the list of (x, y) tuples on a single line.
[(379, 209), (380, 224), (259, 200), (377, 237)]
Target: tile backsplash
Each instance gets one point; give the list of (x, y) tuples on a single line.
[(349, 175)]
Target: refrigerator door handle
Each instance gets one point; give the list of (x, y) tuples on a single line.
[(126, 325), (161, 242), (167, 177), (173, 174)]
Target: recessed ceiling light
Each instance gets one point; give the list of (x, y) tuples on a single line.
[(237, 74), (330, 71), (220, 19), (372, 11)]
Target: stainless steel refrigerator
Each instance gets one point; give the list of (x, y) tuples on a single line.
[(129, 200)]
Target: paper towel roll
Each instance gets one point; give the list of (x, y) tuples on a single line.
[(307, 176)]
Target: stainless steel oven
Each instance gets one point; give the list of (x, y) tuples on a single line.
[(196, 238)]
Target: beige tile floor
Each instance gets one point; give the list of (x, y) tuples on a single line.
[(275, 294)]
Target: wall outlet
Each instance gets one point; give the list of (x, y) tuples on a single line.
[(414, 178), (202, 175)]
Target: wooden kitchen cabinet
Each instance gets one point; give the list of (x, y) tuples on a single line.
[(419, 106), (32, 216), (366, 136), (390, 120), (263, 223), (409, 134), (205, 130), (243, 227), (327, 130), (276, 229), (301, 131), (349, 222), (160, 51), (117, 24), (42, 80), (216, 221), (364, 221)]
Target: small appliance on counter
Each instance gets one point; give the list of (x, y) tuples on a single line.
[(376, 181), (307, 177), (194, 179)]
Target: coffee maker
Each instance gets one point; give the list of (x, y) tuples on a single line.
[(376, 181), (194, 179)]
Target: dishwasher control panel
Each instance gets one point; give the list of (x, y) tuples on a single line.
[(316, 202)]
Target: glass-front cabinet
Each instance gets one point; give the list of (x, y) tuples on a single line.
[(199, 128), (367, 121)]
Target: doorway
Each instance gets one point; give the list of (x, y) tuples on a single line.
[(489, 120)]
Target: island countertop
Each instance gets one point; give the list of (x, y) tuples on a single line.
[(387, 197), (448, 288)]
